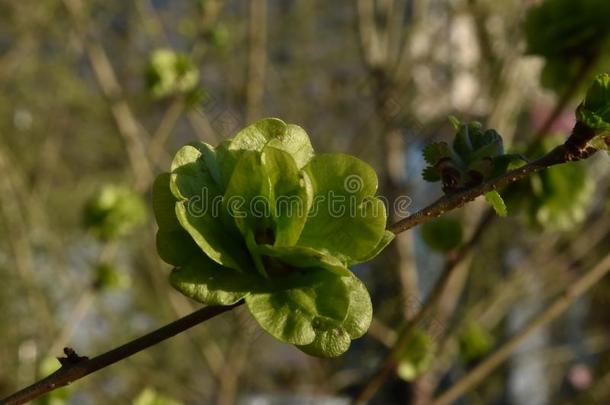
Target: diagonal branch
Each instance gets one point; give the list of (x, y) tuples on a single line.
[(75, 367), (559, 155)]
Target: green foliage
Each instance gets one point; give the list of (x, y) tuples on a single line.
[(171, 73), (442, 234), (113, 211), (474, 156), (261, 218), (497, 203), (417, 356), (557, 198), (560, 196), (475, 342), (594, 112), (569, 35)]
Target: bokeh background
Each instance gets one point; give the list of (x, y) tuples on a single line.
[(96, 96)]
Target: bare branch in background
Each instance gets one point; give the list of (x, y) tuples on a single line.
[(164, 130), (134, 134), (558, 307), (450, 202), (257, 59)]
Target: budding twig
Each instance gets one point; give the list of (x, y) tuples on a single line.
[(574, 149), (559, 155), (75, 367)]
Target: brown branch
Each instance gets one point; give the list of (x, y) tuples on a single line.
[(370, 42), (197, 117), (487, 312), (559, 155), (164, 130), (488, 216), (75, 367), (257, 59)]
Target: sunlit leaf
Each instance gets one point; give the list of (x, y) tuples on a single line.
[(261, 218), (497, 203), (345, 219)]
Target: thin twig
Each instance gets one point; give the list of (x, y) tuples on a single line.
[(164, 130), (573, 149), (257, 59), (567, 95), (487, 312), (13, 213), (404, 59), (75, 367), (449, 202), (83, 303), (130, 129), (405, 332), (542, 130), (483, 369)]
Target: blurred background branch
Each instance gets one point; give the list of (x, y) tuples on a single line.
[(96, 96)]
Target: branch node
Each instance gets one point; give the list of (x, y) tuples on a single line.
[(71, 358)]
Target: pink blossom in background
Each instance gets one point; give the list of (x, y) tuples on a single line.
[(540, 111), (580, 377)]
